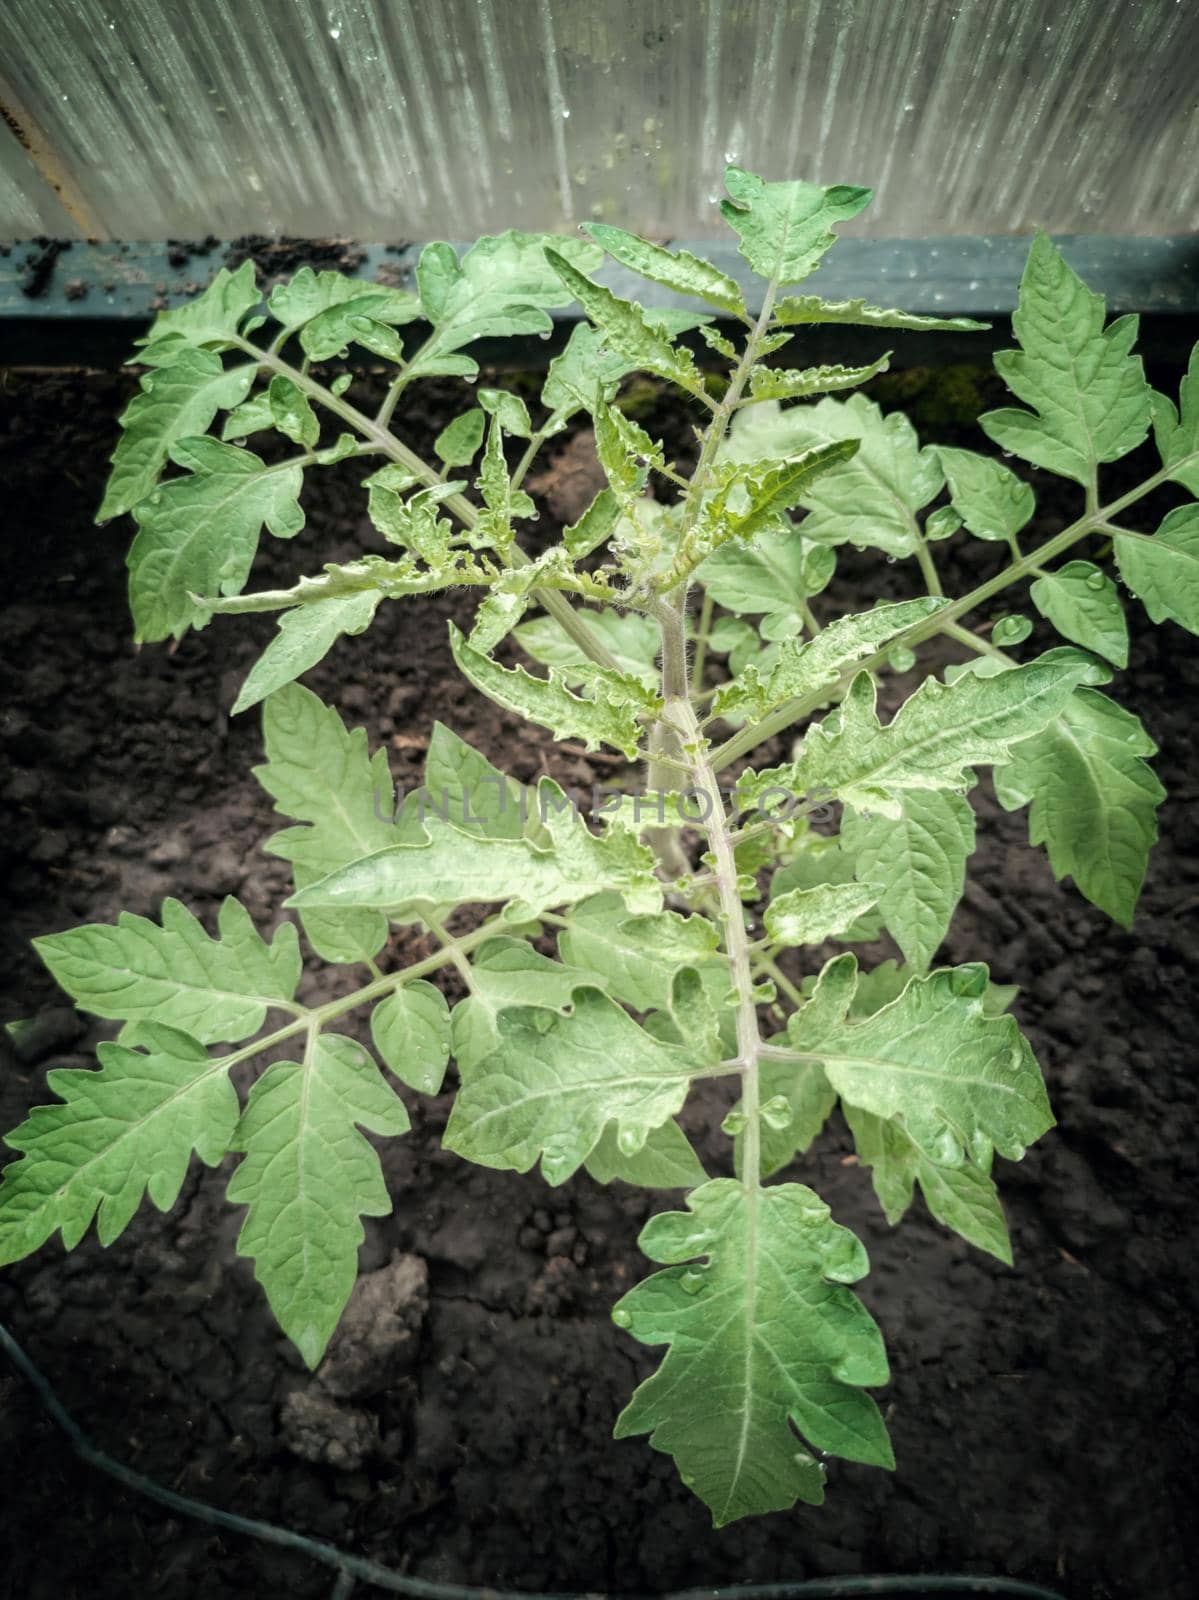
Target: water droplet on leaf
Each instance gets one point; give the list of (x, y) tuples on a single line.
[(621, 1318), (776, 1113)]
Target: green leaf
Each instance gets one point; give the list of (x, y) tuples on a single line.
[(1094, 798), (993, 502), (937, 737), (414, 523), (504, 503), (770, 576), (1084, 606), (291, 412), (871, 499), (197, 535), (175, 402), (626, 330), (509, 410), (325, 778), (964, 1197), (803, 668), (554, 1081), (810, 916), (763, 1336), (1163, 570), (252, 416), (463, 785), (942, 523), (811, 309), (507, 974), (118, 1133), (778, 383), (586, 367), (963, 1082), (213, 989), (1176, 431), (766, 493), (635, 957), (502, 286), (213, 317), (308, 1178), (675, 269), (820, 860), (324, 307), (609, 718), (916, 866), (441, 864), (411, 1031), (595, 525), (458, 442), (785, 228), (1089, 398), (808, 1098), (665, 1161), (306, 635), (631, 638)]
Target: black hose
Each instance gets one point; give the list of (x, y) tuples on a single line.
[(351, 1569)]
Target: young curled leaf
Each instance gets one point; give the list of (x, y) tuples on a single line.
[(776, 383), (610, 716), (626, 330), (674, 269), (810, 309), (768, 495)]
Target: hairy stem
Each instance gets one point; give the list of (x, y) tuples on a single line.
[(665, 743), (736, 940)]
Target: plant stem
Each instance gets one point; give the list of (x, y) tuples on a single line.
[(1092, 522), (768, 965), (665, 744), (317, 1016), (736, 941), (527, 459), (452, 948), (984, 647), (928, 569)]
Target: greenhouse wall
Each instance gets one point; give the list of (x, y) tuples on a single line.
[(391, 120)]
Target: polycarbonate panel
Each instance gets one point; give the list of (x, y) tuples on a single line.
[(28, 205), (401, 119)]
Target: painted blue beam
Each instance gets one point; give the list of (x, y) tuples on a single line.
[(64, 302)]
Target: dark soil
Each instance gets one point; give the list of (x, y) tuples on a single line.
[(1044, 1417)]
